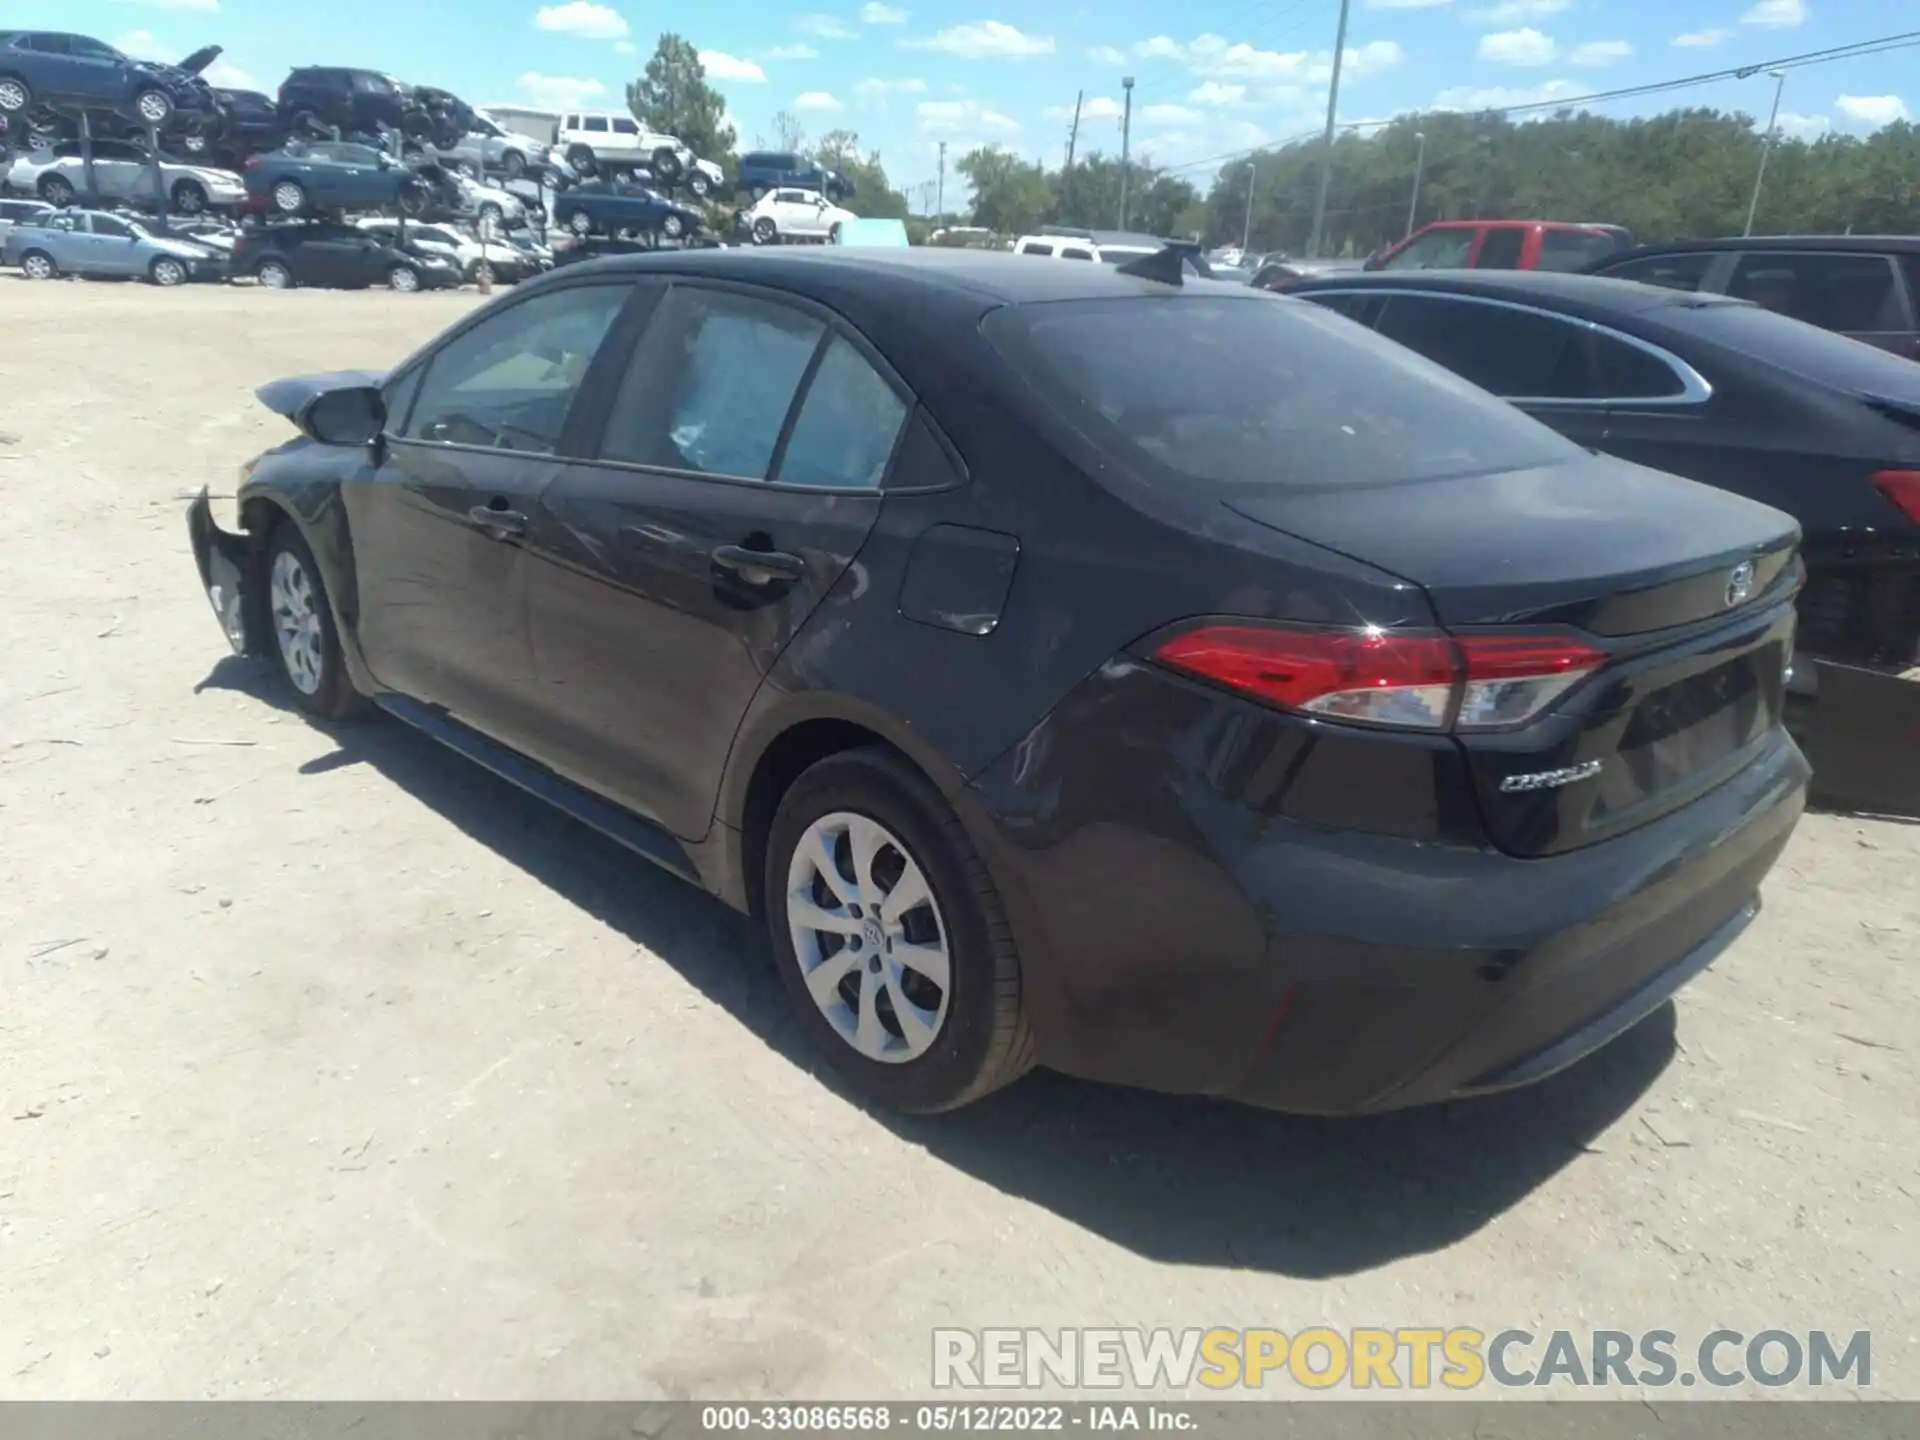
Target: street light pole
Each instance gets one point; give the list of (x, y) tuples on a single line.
[(1326, 140), (1419, 165), (1246, 234), (1766, 147), (1126, 140)]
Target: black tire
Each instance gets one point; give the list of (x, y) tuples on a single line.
[(333, 697), (580, 157), (274, 274), (153, 107), (513, 164), (673, 227), (56, 190), (413, 198), (405, 280), (665, 165), (189, 197), (984, 1040), (39, 265), (16, 96), (580, 223), (289, 197), (765, 232), (491, 211), (699, 184), (167, 271)]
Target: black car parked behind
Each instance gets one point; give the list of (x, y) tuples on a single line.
[(1293, 722), (1718, 390), (342, 257)]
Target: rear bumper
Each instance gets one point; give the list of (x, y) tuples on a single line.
[(1187, 922)]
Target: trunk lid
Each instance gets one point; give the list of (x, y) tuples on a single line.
[(1687, 590)]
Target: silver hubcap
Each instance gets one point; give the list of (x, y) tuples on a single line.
[(404, 280), (153, 108), (287, 197), (12, 97), (296, 622), (869, 938), (37, 267), (168, 272), (274, 277)]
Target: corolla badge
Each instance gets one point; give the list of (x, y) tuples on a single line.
[(1739, 583), (1551, 779)]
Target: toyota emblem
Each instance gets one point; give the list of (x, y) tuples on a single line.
[(1739, 583)]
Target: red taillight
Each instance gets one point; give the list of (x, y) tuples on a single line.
[(1386, 677), (1902, 487)]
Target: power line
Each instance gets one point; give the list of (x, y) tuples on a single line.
[(1905, 40)]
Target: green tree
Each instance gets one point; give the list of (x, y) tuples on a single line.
[(1010, 195), (873, 197), (672, 96)]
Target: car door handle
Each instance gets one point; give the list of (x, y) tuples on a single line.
[(500, 522), (759, 567)]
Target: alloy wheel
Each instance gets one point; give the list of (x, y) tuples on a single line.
[(13, 96), (288, 197), (189, 198), (168, 272), (275, 276), (869, 938), (57, 190), (673, 227), (296, 623), (37, 267), (580, 224), (153, 107), (403, 279)]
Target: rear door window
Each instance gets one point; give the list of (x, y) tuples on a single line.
[(1500, 248), (1568, 250), (1515, 353), (1359, 308), (596, 125), (1626, 372), (625, 127), (1267, 393), (1671, 272), (1844, 292), (848, 424)]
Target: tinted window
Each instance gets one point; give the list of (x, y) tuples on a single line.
[(107, 225), (1036, 247), (1674, 272), (508, 382), (398, 396), (847, 426), (1074, 253), (48, 44), (1500, 249), (92, 49), (1435, 250), (1572, 250), (1911, 263), (1815, 355), (711, 385), (1835, 292), (1626, 372), (625, 127), (1363, 309), (1267, 393), (596, 125), (1510, 352)]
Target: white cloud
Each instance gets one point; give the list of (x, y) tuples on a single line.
[(1776, 14), (1370, 59), (891, 87), (793, 52), (225, 75), (939, 117), (1210, 55), (1508, 11), (1702, 39), (874, 13), (722, 66), (1160, 47), (205, 6), (557, 92), (584, 19), (818, 101), (1101, 107), (1601, 52), (1107, 55), (1169, 115), (1803, 127), (825, 27), (141, 45), (1518, 47), (1213, 92), (1501, 97), (1873, 110), (623, 47), (985, 40)]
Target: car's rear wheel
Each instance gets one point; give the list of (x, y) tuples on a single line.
[(274, 275), (666, 165), (166, 270), (580, 223), (153, 107), (700, 184), (38, 265), (513, 164), (189, 197), (765, 232), (16, 97), (56, 190), (580, 157), (305, 641), (890, 935), (493, 215), (673, 227), (414, 197), (289, 197), (403, 278)]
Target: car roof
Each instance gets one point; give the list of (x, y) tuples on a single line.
[(1577, 294), (1876, 244), (1512, 225)]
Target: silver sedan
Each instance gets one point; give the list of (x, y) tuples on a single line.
[(87, 242)]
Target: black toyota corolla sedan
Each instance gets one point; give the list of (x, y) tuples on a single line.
[(1170, 684)]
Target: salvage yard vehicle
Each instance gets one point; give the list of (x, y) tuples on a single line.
[(1295, 722), (95, 245), (793, 215), (1863, 286), (341, 257), (333, 175), (1501, 245), (123, 171), (465, 252), (614, 207), (316, 98), (12, 212), (489, 145), (762, 171), (595, 142), (42, 67), (1718, 390)]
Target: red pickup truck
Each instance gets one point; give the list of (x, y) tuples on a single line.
[(1502, 245)]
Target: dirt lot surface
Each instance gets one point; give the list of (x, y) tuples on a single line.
[(331, 1066)]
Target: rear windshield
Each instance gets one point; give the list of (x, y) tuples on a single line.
[(1798, 348), (1262, 392)]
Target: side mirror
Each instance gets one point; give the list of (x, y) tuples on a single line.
[(353, 416)]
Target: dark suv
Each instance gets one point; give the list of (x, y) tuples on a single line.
[(764, 170), (40, 68), (318, 97), (1863, 286)]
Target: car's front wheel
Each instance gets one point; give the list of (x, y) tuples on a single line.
[(890, 935), (673, 227), (580, 160), (513, 164), (153, 107), (274, 275), (167, 271), (700, 184), (56, 190), (580, 223), (289, 197), (16, 98), (493, 215), (403, 278), (305, 641), (38, 265)]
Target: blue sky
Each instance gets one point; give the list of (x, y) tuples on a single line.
[(1212, 76)]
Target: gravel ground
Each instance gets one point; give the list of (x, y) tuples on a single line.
[(333, 1067)]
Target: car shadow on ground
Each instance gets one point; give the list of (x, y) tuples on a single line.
[(1180, 1180)]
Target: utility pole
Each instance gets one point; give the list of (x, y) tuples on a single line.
[(1419, 164), (1126, 141), (1766, 147), (1074, 134), (1326, 140), (1246, 233), (940, 205)]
